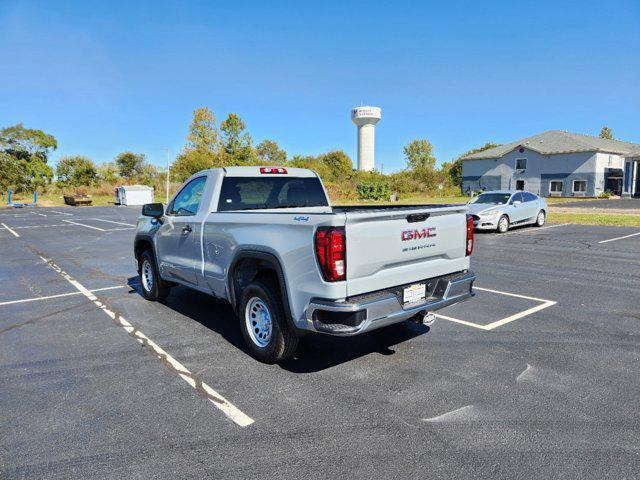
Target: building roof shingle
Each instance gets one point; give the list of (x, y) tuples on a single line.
[(558, 141)]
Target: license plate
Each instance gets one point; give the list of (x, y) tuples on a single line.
[(414, 293)]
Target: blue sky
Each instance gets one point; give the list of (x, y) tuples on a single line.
[(104, 77)]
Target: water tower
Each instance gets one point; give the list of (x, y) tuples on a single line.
[(366, 118)]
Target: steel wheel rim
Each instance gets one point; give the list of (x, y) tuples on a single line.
[(146, 275), (503, 225), (258, 322)]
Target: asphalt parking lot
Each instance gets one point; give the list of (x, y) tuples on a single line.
[(538, 376)]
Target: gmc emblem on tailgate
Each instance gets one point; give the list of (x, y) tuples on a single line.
[(417, 234)]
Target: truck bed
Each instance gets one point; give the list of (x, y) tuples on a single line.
[(376, 208)]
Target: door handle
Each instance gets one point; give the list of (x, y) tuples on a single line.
[(187, 229)]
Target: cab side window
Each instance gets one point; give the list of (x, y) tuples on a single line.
[(529, 197), (188, 200), (516, 198)]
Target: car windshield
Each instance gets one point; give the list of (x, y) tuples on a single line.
[(492, 198)]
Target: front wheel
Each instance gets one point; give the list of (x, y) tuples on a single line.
[(153, 287), (263, 324), (503, 224), (541, 218)]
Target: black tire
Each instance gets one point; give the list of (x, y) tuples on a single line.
[(501, 223), (282, 342), (541, 218), (157, 289)]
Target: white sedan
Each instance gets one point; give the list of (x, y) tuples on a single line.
[(501, 209)]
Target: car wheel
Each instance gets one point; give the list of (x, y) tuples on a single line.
[(264, 325), (503, 224), (541, 218), (153, 287)]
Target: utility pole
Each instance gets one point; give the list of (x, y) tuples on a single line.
[(167, 150)]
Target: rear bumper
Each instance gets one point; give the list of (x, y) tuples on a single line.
[(368, 312)]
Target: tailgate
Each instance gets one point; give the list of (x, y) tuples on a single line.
[(386, 249)]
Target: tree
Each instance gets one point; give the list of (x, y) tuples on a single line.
[(202, 150), (203, 132), (312, 163), (108, 172), (191, 161), (605, 132), (148, 174), (130, 164), (27, 151), (236, 142), (339, 164), (10, 172), (76, 170), (269, 153), (419, 156)]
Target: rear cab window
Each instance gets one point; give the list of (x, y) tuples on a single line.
[(255, 193)]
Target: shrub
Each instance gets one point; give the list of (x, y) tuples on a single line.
[(372, 186), (76, 170)]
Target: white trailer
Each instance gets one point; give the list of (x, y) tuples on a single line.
[(134, 195)]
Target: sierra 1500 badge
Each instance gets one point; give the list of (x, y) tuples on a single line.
[(417, 234)]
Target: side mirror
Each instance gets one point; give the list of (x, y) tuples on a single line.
[(155, 210), (516, 203)]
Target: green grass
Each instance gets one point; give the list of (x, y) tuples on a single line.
[(554, 200), (617, 220)]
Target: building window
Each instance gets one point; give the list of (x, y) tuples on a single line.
[(519, 184), (521, 164), (556, 186), (610, 160), (579, 186)]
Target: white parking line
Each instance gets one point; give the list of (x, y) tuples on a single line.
[(619, 238), (534, 230), (35, 299), (517, 295), (498, 323), (226, 407), (14, 233), (111, 221), (83, 225), (62, 213), (42, 226)]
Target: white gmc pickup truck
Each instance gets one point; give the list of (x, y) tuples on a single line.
[(267, 240)]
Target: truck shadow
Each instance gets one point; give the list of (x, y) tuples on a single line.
[(316, 352)]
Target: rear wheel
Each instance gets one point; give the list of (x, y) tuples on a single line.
[(153, 287), (264, 325), (503, 224), (541, 218)]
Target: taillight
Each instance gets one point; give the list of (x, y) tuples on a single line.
[(469, 235), (273, 170), (331, 249)]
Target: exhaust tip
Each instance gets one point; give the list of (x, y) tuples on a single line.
[(428, 318)]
